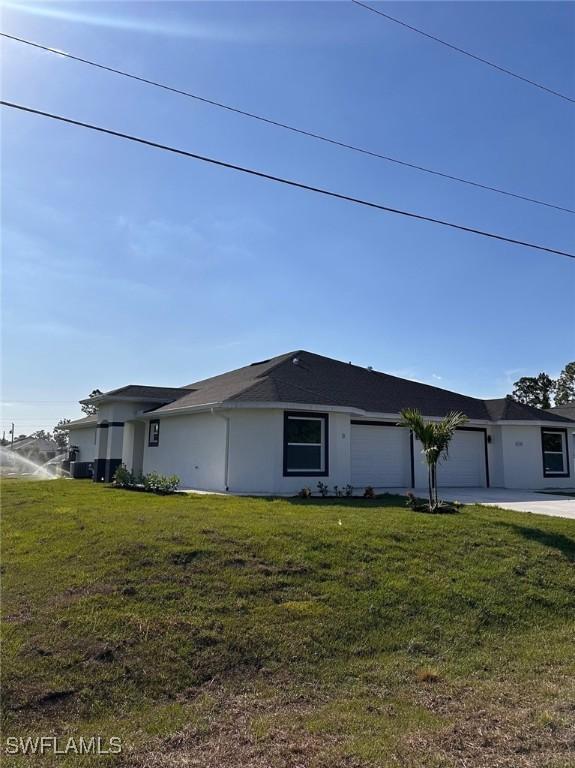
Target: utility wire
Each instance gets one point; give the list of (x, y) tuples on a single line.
[(461, 50), (285, 126), (280, 180)]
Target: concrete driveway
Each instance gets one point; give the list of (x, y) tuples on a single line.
[(520, 501)]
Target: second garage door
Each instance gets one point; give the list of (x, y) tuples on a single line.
[(380, 456), (465, 465)]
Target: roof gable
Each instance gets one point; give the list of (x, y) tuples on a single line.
[(247, 373)]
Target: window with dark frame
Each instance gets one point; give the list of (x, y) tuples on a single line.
[(305, 444), (555, 452), (154, 433)]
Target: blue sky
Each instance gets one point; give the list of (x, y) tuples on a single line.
[(127, 265)]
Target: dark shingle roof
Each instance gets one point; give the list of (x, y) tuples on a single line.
[(322, 381), (508, 409), (318, 380), (141, 392), (567, 410)]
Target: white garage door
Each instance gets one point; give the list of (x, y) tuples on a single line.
[(465, 466), (380, 456)]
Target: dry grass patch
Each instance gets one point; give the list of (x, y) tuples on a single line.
[(255, 729), (497, 726)]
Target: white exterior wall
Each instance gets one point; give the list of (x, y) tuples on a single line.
[(117, 442), (515, 459), (85, 440), (192, 447), (128, 444), (120, 411), (523, 459), (256, 453), (495, 455), (135, 432)]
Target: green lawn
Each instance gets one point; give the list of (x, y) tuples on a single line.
[(214, 631)]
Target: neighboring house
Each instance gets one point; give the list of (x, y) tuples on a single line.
[(278, 425), (36, 448)]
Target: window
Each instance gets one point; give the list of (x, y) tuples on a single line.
[(555, 452), (154, 433), (305, 444)]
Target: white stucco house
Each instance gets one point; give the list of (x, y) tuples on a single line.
[(278, 425)]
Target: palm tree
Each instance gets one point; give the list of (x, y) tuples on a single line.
[(435, 437)]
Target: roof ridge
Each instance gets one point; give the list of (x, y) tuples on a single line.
[(279, 359), (147, 386), (141, 386), (250, 385), (280, 362)]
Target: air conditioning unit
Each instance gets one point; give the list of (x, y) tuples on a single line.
[(81, 470)]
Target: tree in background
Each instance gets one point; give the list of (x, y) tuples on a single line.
[(41, 434), (60, 434), (540, 391), (88, 409), (565, 385), (434, 437), (534, 390)]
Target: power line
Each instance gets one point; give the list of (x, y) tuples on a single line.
[(293, 129), (281, 180), (464, 52)]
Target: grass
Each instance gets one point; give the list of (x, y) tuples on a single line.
[(218, 631)]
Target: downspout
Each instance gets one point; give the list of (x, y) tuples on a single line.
[(227, 453)]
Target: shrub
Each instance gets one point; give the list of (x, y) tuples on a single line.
[(160, 483), (410, 501), (348, 491), (338, 491), (323, 489), (123, 477), (369, 493), (305, 493), (152, 482)]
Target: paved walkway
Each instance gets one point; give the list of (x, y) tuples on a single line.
[(520, 501)]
